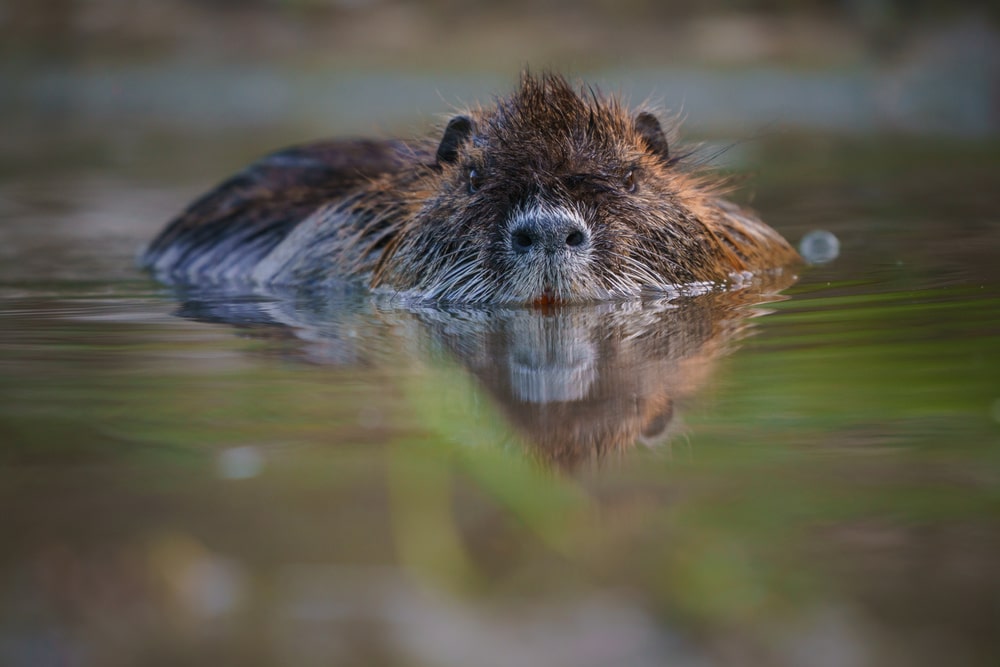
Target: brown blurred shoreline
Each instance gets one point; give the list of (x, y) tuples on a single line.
[(479, 36), (371, 67)]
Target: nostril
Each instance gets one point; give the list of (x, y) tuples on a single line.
[(522, 240), (550, 234)]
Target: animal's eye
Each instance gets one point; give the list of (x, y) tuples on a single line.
[(475, 180), (629, 181)]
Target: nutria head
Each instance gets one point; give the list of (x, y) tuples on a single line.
[(555, 195)]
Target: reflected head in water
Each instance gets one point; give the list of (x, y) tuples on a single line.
[(577, 384), (552, 194), (581, 385)]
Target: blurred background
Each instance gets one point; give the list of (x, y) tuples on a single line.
[(368, 66)]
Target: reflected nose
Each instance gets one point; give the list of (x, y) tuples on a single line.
[(550, 233)]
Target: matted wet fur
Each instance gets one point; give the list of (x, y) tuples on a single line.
[(549, 195)]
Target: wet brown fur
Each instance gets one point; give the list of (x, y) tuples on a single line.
[(403, 218)]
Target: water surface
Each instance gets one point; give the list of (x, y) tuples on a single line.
[(737, 478)]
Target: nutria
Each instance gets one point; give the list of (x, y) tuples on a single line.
[(549, 195)]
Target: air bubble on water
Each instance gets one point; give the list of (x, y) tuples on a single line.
[(819, 247)]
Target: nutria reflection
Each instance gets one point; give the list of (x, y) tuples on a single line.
[(581, 385), (578, 384)]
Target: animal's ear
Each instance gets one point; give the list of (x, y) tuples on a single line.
[(648, 127), (455, 134)]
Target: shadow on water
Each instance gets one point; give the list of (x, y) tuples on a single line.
[(578, 384)]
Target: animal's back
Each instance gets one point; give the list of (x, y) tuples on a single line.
[(225, 234)]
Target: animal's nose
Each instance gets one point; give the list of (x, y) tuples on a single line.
[(550, 233)]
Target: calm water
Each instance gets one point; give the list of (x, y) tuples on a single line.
[(732, 479)]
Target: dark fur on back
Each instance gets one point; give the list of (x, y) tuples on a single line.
[(445, 225), (238, 223)]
